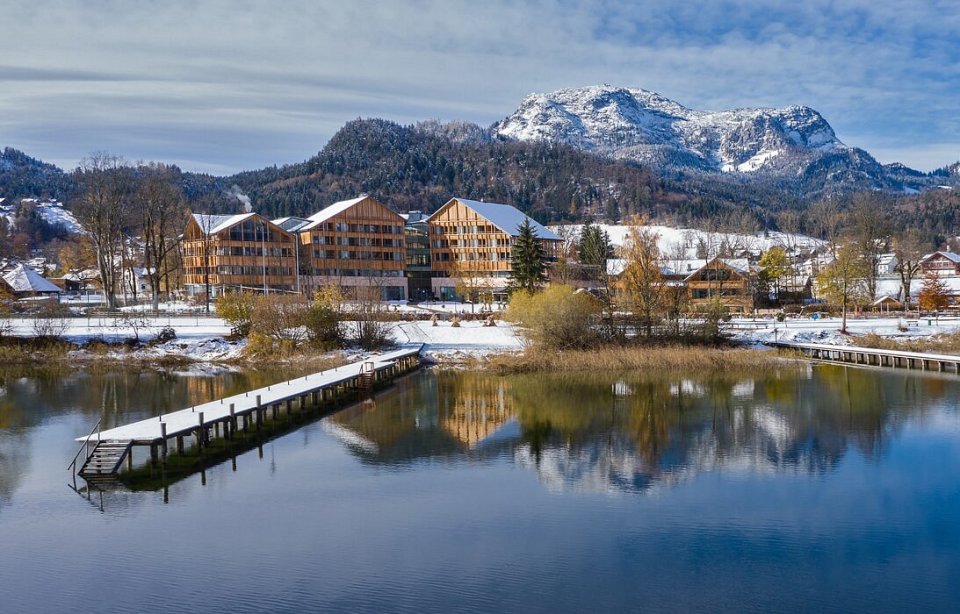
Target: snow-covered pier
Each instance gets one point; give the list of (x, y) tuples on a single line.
[(874, 357), (242, 412)]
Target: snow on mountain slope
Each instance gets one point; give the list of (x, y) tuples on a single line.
[(644, 126)]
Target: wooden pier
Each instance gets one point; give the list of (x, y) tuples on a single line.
[(224, 418), (874, 357)]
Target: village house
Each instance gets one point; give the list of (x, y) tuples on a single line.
[(471, 246), (729, 281), (230, 253), (354, 244), (942, 264)]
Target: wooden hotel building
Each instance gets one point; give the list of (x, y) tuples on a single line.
[(471, 245), (230, 253)]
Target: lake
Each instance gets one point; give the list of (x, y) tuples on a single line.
[(813, 488)]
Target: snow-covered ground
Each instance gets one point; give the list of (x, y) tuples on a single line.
[(827, 330), (201, 338), (470, 339)]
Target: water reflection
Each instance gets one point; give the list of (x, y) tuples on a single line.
[(72, 400), (630, 434)]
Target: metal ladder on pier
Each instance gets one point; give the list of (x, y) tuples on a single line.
[(105, 460)]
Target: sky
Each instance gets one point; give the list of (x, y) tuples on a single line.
[(222, 86)]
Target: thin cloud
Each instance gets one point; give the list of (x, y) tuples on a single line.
[(266, 83)]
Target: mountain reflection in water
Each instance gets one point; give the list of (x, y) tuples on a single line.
[(590, 433)]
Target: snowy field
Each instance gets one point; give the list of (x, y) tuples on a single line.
[(827, 330)]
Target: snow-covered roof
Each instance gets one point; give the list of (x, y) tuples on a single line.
[(948, 255), (335, 209), (212, 224), (506, 217), (886, 298), (24, 279)]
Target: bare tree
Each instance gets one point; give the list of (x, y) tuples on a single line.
[(870, 228), (161, 206), (908, 248), (103, 211)]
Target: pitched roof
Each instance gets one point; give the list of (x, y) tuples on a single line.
[(738, 265), (505, 217), (948, 255), (328, 212), (212, 224), (24, 279)]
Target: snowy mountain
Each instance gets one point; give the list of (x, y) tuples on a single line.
[(643, 126)]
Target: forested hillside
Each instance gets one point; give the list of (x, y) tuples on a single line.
[(422, 166)]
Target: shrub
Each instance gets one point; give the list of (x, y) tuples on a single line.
[(280, 317), (557, 318), (167, 333), (323, 324), (50, 321), (237, 309)]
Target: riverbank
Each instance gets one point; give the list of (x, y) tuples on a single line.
[(204, 342)]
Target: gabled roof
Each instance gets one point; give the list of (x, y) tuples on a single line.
[(336, 209), (24, 279), (212, 224), (505, 217), (738, 265), (948, 255)]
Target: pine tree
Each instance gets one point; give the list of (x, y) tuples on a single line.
[(528, 268)]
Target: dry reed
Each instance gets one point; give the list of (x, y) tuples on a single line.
[(944, 343), (630, 358)]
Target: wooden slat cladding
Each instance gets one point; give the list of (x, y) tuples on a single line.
[(251, 254), (366, 239), (462, 240)]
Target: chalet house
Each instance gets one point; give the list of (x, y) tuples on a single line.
[(231, 253), (471, 244), (24, 282), (942, 264), (730, 281), (357, 243)]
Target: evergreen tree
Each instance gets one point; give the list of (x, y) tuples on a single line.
[(528, 268), (594, 246)]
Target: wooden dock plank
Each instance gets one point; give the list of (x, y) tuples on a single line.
[(186, 421)]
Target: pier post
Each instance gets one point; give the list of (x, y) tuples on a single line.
[(180, 445), (201, 435), (233, 420), (163, 442)]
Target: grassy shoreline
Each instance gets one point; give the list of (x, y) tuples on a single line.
[(667, 357)]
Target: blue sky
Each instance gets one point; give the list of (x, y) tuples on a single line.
[(222, 86)]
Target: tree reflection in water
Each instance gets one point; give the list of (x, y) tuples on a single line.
[(593, 432)]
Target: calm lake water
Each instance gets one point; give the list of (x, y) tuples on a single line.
[(820, 488)]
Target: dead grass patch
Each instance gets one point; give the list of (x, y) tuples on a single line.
[(943, 343), (631, 358)]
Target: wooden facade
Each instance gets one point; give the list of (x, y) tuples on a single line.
[(355, 244), (719, 280), (471, 245), (231, 253), (941, 264)]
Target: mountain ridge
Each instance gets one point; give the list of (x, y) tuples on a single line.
[(793, 145)]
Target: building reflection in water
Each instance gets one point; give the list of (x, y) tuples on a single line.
[(593, 433)]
